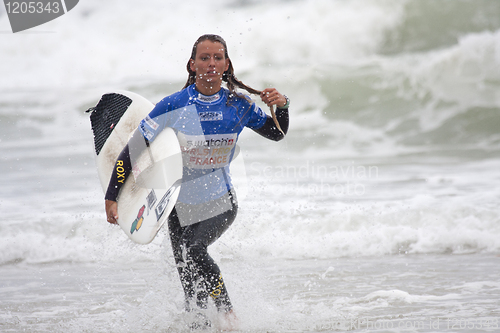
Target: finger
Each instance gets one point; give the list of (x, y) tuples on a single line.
[(269, 90), (112, 217), (270, 97), (273, 100), (265, 99)]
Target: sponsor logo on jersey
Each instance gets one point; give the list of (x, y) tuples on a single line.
[(146, 132), (207, 151), (151, 123), (210, 115), (208, 99)]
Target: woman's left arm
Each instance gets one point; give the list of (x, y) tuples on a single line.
[(269, 130)]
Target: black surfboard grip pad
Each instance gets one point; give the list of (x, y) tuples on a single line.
[(105, 115)]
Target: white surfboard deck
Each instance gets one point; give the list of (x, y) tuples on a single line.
[(150, 192)]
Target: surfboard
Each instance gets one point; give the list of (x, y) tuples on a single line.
[(150, 192)]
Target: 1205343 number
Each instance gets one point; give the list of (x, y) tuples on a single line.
[(32, 7)]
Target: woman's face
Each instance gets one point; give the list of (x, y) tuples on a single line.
[(209, 63)]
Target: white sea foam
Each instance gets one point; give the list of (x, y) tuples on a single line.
[(379, 209), (389, 155)]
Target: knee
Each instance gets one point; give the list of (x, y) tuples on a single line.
[(196, 253)]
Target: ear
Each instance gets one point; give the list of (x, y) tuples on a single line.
[(227, 64), (191, 65)]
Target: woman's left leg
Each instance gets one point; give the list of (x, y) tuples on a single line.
[(200, 275)]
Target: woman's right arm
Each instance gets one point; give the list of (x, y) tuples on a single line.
[(123, 165), (121, 171)]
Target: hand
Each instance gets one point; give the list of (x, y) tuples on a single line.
[(112, 211), (271, 96)]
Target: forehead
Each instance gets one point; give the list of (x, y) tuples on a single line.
[(207, 46)]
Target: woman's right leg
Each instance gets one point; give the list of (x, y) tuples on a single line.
[(186, 272)]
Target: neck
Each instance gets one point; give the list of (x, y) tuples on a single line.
[(208, 88)]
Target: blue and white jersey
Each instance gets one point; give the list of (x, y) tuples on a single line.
[(207, 128)]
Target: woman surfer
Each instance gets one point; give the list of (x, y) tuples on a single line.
[(208, 120)]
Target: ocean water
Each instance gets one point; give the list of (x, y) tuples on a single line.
[(379, 212)]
